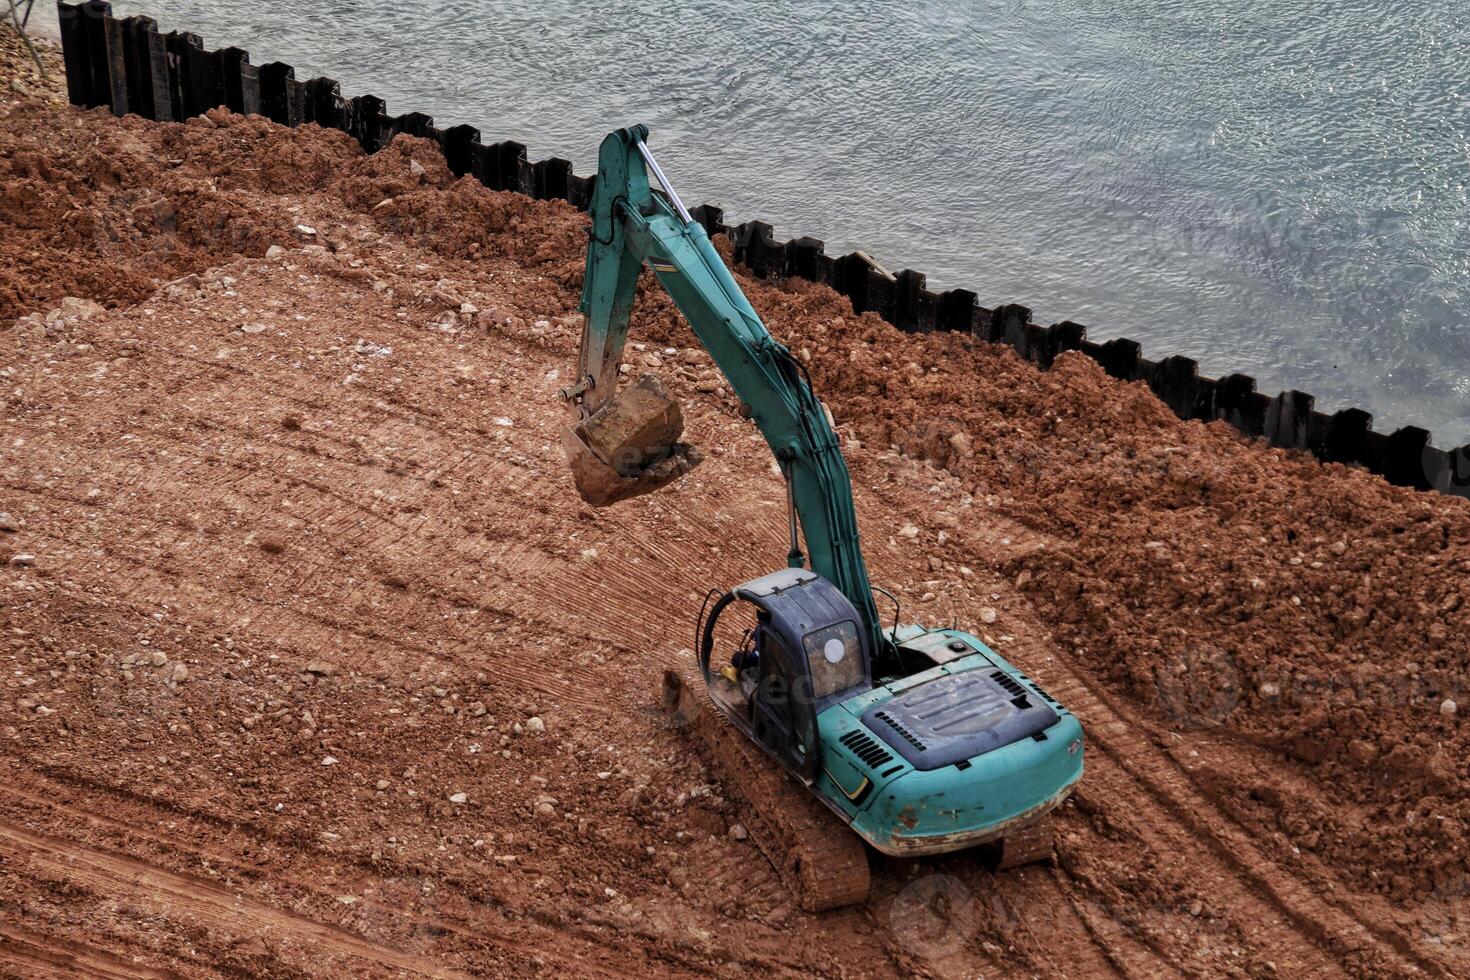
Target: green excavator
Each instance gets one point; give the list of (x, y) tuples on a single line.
[(922, 741)]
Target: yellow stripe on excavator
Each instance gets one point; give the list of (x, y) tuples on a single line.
[(855, 793)]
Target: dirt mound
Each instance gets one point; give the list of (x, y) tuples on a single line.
[(407, 164), (113, 224), (167, 200)]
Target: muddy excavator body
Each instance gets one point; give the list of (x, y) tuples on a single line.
[(953, 754), (922, 741)]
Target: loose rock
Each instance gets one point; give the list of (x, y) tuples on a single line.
[(75, 308)]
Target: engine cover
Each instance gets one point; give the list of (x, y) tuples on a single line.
[(956, 717)]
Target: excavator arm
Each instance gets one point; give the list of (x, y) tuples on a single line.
[(623, 445)]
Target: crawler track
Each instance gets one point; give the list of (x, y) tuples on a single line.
[(823, 863)]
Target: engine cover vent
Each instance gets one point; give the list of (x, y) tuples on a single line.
[(903, 732), (1008, 682), (866, 748)]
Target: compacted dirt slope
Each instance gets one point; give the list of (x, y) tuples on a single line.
[(315, 664)]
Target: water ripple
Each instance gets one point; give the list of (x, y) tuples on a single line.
[(1273, 187)]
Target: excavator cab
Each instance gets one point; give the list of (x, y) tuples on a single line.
[(804, 652)]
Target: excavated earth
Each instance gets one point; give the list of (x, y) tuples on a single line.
[(315, 664)]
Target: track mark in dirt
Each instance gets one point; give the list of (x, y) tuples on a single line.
[(1121, 753), (1206, 760), (461, 921), (1077, 934), (234, 915), (1125, 954), (35, 955)]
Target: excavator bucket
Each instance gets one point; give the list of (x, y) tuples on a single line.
[(630, 445)]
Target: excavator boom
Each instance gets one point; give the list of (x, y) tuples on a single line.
[(633, 227)]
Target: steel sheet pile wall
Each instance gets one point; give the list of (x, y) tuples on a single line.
[(128, 66)]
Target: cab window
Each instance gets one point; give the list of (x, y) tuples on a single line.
[(834, 657), (782, 692)]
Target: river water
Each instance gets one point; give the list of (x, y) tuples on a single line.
[(1277, 188)]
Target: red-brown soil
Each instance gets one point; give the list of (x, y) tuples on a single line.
[(292, 562)]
